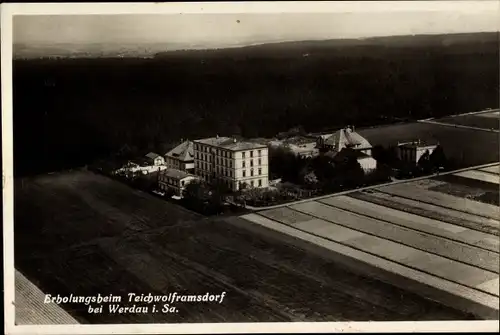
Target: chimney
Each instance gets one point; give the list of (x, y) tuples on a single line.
[(217, 136)]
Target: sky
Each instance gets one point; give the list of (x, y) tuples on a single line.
[(219, 30)]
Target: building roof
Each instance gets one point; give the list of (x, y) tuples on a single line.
[(230, 143), (418, 144), (345, 138), (183, 152), (152, 155), (175, 174), (325, 136), (343, 153)]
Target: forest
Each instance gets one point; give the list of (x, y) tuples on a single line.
[(69, 112)]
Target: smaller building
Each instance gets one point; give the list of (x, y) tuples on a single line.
[(302, 150), (174, 181), (345, 138), (154, 159), (367, 162), (320, 140), (306, 150), (413, 151), (181, 157)]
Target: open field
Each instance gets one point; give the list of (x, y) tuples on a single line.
[(30, 309), (480, 175), (409, 191), (476, 223), (491, 114), (471, 188), (424, 230), (484, 120), (82, 233), (492, 169), (405, 219), (456, 142)]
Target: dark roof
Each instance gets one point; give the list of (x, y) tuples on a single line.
[(176, 174), (183, 152), (152, 155), (345, 138), (347, 152)]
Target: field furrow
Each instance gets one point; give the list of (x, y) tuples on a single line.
[(453, 250), (87, 234), (479, 175), (480, 224), (404, 218), (444, 200)]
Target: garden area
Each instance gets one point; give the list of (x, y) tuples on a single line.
[(303, 178)]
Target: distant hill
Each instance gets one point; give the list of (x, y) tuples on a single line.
[(480, 40), (146, 50), (69, 111)]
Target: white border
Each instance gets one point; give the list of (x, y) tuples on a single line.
[(8, 10)]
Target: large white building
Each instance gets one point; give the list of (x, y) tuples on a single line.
[(232, 162)]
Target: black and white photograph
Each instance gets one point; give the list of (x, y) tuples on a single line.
[(234, 167)]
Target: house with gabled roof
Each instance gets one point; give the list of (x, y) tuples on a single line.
[(181, 157), (175, 181), (154, 159), (344, 138)]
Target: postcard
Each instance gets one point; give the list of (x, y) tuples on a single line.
[(251, 167)]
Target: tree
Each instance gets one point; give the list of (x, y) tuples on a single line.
[(322, 168), (196, 191), (348, 171), (380, 154), (285, 164), (423, 163), (438, 159)]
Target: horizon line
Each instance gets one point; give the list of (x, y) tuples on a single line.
[(195, 47)]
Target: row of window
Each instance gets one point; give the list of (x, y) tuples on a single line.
[(229, 183), (259, 183), (244, 173), (223, 153), (229, 163), (218, 160), (218, 152), (259, 162), (259, 153), (227, 172)]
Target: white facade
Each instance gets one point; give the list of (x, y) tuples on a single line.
[(413, 151), (367, 163), (155, 159), (231, 162)]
